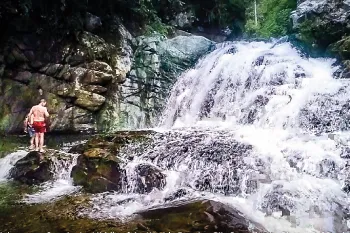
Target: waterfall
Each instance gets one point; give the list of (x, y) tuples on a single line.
[(8, 162), (262, 85), (258, 126)]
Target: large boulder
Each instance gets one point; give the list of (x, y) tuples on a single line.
[(197, 216), (96, 173), (98, 166), (322, 22), (36, 168)]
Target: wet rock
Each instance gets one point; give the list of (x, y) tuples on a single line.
[(35, 167), (92, 22), (97, 174), (58, 216), (77, 149), (198, 216), (98, 169), (278, 200), (148, 178), (178, 194), (322, 23), (89, 100), (342, 47)]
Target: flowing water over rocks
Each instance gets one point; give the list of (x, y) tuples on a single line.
[(256, 126)]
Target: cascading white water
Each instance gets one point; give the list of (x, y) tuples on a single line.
[(8, 162), (250, 126)]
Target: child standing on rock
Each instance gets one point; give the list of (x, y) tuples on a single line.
[(28, 128)]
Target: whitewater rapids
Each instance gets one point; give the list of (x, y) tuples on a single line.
[(259, 126)]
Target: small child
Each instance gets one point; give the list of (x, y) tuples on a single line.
[(28, 128)]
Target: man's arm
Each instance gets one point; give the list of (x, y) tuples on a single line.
[(46, 113)]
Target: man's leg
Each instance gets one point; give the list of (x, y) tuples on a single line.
[(36, 141), (41, 141)]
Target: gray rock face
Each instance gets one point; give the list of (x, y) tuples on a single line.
[(324, 22), (157, 63), (77, 76), (92, 22), (329, 10), (93, 83)]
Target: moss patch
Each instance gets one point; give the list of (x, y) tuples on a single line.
[(60, 216), (9, 144)]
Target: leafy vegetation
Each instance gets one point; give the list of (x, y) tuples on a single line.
[(60, 16), (273, 18)]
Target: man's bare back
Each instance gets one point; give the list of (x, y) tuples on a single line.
[(39, 113)]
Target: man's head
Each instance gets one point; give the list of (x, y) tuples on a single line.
[(43, 102)]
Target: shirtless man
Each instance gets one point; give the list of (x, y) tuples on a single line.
[(39, 113)]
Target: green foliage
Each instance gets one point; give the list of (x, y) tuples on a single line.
[(306, 31), (146, 11), (219, 13), (273, 18)]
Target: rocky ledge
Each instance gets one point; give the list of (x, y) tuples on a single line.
[(197, 216), (100, 167), (92, 81), (63, 216)]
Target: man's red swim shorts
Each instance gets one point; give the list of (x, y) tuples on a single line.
[(39, 126)]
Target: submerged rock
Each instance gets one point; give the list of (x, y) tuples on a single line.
[(197, 216), (149, 177)]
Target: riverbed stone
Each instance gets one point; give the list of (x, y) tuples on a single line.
[(148, 178), (197, 216), (97, 174), (34, 168)]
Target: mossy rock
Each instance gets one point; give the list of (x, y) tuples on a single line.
[(97, 174), (197, 216), (59, 216), (107, 145), (9, 144), (34, 168), (342, 47), (98, 169)]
